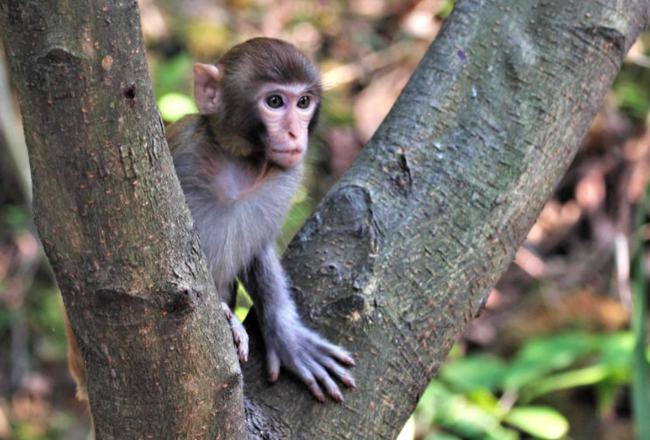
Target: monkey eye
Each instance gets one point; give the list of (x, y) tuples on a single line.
[(303, 102), (274, 101)]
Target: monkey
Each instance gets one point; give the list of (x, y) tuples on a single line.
[(239, 162)]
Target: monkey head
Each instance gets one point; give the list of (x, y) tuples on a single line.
[(265, 92)]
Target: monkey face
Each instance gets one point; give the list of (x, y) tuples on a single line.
[(286, 112)]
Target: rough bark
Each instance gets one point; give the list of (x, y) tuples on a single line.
[(394, 263), (403, 250), (110, 213)]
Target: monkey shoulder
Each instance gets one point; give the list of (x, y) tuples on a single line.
[(184, 133)]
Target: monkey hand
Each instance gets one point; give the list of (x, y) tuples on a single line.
[(309, 356), (239, 335)]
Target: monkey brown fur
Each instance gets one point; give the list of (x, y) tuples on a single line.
[(240, 162), (75, 361)]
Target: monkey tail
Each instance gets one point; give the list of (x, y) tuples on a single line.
[(75, 361)]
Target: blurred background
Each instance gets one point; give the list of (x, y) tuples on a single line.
[(552, 356)]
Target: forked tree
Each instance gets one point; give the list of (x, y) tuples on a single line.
[(393, 264)]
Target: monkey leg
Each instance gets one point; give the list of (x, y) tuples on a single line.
[(239, 334), (289, 343)]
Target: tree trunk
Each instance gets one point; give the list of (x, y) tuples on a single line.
[(402, 252), (394, 263), (110, 213)]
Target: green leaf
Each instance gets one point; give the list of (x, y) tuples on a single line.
[(539, 421), (606, 393), (485, 399), (243, 302), (441, 436), (435, 393), (456, 414), (582, 377), (616, 349), (612, 366), (544, 355), (169, 75), (174, 106), (446, 8), (472, 372), (632, 97)]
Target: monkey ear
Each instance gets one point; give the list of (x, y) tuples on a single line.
[(207, 87)]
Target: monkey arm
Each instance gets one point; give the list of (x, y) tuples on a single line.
[(288, 341)]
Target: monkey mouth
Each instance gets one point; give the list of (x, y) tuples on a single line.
[(285, 157), (289, 152)]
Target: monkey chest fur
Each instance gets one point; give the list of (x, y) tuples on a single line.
[(236, 218)]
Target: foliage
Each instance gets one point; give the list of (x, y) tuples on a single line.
[(481, 396)]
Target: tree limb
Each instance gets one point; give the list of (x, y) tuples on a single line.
[(400, 254), (158, 352)]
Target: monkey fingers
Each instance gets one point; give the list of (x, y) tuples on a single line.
[(325, 379), (308, 378), (308, 369), (313, 359), (239, 335), (338, 371), (327, 349), (326, 354)]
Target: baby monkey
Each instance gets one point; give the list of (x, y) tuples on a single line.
[(240, 162)]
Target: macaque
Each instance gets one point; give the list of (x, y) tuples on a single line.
[(239, 162)]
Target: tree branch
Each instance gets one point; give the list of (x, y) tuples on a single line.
[(158, 351), (403, 250)]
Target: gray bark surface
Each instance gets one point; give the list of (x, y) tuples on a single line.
[(393, 264), (401, 253), (110, 213)]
